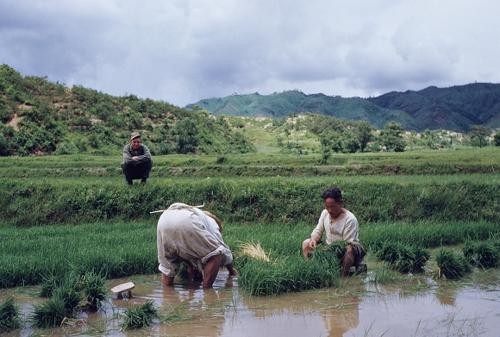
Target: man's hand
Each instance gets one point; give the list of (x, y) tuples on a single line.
[(135, 158), (312, 243)]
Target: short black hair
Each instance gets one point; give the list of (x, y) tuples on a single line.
[(334, 193)]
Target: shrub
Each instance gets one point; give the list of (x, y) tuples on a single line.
[(9, 315), (451, 264)]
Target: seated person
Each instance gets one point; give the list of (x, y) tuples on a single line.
[(137, 161)]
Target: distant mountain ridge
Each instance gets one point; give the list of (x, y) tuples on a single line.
[(454, 108)]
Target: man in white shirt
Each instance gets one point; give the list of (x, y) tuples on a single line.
[(338, 224), (187, 234)]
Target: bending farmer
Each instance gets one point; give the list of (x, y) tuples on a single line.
[(338, 224), (187, 234), (137, 161)]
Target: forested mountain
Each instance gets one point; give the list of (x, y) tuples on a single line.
[(455, 108), (38, 117)]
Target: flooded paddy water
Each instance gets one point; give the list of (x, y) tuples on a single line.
[(421, 306)]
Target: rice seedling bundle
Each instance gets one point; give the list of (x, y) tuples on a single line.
[(94, 288), (482, 254), (140, 316), (403, 258), (9, 316), (49, 314), (452, 265), (288, 274)]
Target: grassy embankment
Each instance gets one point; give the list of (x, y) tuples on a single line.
[(94, 214), (465, 161)]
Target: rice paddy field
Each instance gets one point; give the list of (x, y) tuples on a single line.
[(430, 221)]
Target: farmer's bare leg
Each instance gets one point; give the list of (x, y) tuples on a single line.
[(348, 260), (210, 271), (306, 248), (167, 281)]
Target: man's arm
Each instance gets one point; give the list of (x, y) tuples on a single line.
[(317, 232), (127, 158), (146, 156), (350, 233)]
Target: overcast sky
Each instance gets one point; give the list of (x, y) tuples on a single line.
[(182, 51)]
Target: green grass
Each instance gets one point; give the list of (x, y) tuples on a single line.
[(452, 264), (123, 249), (467, 160), (404, 258), (94, 288), (49, 314), (9, 315), (140, 316), (484, 254), (28, 202)]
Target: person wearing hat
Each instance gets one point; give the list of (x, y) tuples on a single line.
[(137, 161)]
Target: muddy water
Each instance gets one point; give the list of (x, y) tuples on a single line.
[(420, 307)]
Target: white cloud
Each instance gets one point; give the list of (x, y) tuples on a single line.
[(183, 51)]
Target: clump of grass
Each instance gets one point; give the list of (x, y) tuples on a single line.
[(290, 274), (49, 314), (403, 258), (384, 275), (9, 315), (49, 283), (452, 264), (481, 254), (140, 316), (65, 299), (335, 250), (93, 285)]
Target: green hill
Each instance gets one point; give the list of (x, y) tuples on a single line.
[(39, 117), (455, 108)]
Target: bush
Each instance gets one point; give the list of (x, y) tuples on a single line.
[(66, 148)]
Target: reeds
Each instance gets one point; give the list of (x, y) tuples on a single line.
[(9, 315), (140, 316), (452, 265)]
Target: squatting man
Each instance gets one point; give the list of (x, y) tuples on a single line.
[(338, 224)]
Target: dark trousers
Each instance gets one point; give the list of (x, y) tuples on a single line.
[(139, 170)]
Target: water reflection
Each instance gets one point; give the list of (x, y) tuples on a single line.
[(352, 309)]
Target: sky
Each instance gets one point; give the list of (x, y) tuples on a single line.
[(181, 51)]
